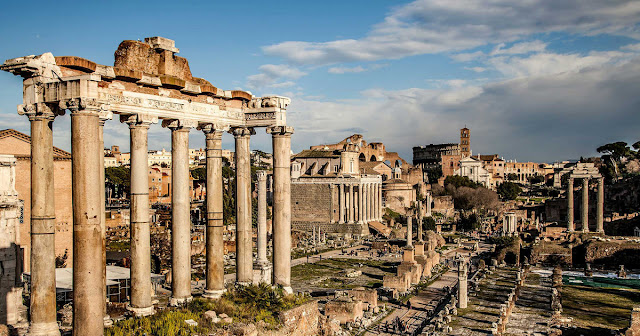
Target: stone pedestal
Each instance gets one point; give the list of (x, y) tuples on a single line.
[(409, 266), (262, 272)]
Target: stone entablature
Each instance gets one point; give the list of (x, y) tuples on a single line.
[(156, 86)]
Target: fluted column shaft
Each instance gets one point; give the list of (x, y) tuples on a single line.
[(140, 231), (351, 204), (215, 229), (244, 250), (372, 204), (281, 136), (570, 213), (88, 299), (341, 203), (585, 205), (360, 204), (180, 217), (379, 200), (43, 265), (600, 209)]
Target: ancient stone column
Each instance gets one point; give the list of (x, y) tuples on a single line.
[(244, 240), (351, 204), (341, 203), (180, 213), (215, 226), (360, 219), (371, 201), (262, 264), (281, 136), (378, 201), (140, 304), (409, 232), (462, 284), (428, 199), (585, 205), (88, 298), (600, 208), (420, 239), (103, 118), (570, 224), (43, 263)]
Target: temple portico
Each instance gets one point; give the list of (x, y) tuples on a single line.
[(586, 172), (147, 83)]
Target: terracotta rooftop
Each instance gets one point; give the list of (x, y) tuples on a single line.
[(314, 153), (57, 152)]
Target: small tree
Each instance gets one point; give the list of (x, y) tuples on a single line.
[(509, 190)]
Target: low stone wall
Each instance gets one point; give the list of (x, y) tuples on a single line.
[(612, 253), (344, 309)]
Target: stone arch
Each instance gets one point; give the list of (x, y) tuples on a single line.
[(397, 164), (373, 158), (362, 157)]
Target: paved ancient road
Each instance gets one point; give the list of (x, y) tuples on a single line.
[(413, 317)]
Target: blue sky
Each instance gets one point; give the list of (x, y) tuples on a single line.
[(538, 80)]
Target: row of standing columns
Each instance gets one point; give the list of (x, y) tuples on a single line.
[(89, 275), (359, 202), (585, 206)]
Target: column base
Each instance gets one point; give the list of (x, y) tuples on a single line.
[(107, 321), (262, 272), (288, 289), (213, 294), (44, 329), (176, 302), (138, 312), (600, 232)]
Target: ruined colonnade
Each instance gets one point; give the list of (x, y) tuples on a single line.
[(359, 202), (143, 90), (585, 205)]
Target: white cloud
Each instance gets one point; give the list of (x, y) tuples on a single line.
[(466, 57), (343, 70), (434, 26), (519, 48), (476, 69), (271, 74), (550, 116), (550, 63)]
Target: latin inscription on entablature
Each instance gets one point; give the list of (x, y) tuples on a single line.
[(260, 116), (166, 105)]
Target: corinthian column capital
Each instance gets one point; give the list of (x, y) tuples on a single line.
[(39, 111), (280, 130), (242, 131), (138, 120), (213, 131)]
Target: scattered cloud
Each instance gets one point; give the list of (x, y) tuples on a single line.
[(356, 69), (554, 115), (272, 75), (476, 69), (519, 48), (342, 70), (434, 26)]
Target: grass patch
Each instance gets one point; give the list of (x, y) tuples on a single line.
[(599, 307), (247, 304)]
